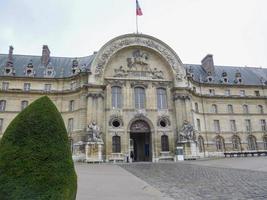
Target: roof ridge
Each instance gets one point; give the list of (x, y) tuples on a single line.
[(2, 54)]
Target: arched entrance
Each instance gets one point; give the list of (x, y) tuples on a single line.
[(140, 141)]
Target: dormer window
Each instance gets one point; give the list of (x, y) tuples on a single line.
[(75, 67), (9, 71), (238, 78), (29, 69), (224, 78), (49, 72), (209, 78)]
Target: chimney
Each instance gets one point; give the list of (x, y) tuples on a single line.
[(45, 55), (10, 53), (9, 62), (207, 64)]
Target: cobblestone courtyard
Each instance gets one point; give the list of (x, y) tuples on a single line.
[(199, 180)]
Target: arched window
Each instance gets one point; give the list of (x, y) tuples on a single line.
[(219, 142), (201, 144), (2, 105), (71, 105), (245, 109), (214, 108), (164, 143), (24, 104), (252, 142), (116, 97), (196, 108), (236, 143), (116, 144), (265, 142), (260, 109), (230, 108), (162, 98), (139, 97)]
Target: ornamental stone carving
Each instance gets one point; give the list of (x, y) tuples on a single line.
[(139, 126), (95, 95), (94, 133), (181, 97), (187, 132), (138, 66), (138, 40)]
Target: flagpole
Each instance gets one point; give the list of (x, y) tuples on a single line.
[(136, 16)]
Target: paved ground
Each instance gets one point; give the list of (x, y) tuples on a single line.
[(200, 180), (111, 182), (251, 163), (220, 179)]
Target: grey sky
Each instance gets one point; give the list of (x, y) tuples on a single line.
[(234, 31)]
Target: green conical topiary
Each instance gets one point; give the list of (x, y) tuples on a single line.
[(35, 156)]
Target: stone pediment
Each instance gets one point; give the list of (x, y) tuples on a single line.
[(140, 59)]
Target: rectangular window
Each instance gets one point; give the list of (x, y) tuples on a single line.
[(233, 125), (27, 86), (257, 93), (2, 105), (196, 108), (162, 98), (71, 105), (140, 96), (24, 104), (227, 93), (248, 125), (198, 125), (1, 125), (217, 127), (230, 108), (242, 93), (116, 97), (263, 125), (47, 87), (70, 124), (5, 85), (212, 92)]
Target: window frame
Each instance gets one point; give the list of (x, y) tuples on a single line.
[(116, 144), (165, 143), (2, 105), (116, 97), (161, 97), (139, 93)]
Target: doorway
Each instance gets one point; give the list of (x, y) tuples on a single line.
[(140, 142)]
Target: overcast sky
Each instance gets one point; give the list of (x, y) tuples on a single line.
[(234, 31)]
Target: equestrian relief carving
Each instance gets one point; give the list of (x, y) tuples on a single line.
[(138, 66)]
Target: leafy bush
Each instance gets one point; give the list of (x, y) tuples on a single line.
[(35, 156)]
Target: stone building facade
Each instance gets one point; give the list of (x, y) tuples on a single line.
[(142, 98)]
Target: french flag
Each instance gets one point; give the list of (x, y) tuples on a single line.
[(138, 9)]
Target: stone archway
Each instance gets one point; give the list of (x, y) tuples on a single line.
[(140, 141)]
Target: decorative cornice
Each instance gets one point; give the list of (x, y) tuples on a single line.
[(116, 82), (139, 83), (95, 95), (181, 97)]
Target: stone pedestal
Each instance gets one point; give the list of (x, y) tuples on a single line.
[(190, 149), (94, 151)]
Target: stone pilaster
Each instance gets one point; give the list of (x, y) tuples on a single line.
[(181, 102)]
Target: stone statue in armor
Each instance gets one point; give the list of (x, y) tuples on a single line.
[(94, 132), (187, 132)]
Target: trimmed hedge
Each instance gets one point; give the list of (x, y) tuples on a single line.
[(35, 156)]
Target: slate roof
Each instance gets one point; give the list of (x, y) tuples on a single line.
[(61, 65), (249, 75)]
